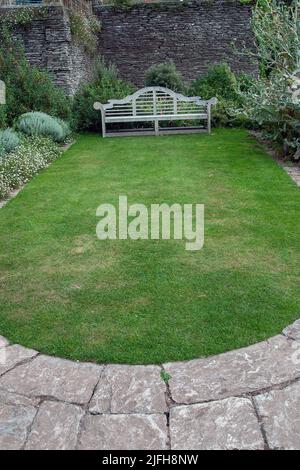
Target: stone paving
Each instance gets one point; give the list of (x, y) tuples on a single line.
[(244, 399)]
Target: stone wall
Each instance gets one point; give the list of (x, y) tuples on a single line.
[(195, 34), (48, 44)]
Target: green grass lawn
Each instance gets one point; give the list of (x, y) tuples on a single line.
[(64, 292)]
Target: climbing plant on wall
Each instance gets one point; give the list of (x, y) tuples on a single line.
[(22, 16), (85, 29)]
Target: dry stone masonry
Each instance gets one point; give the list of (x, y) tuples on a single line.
[(244, 399), (195, 34), (49, 45)]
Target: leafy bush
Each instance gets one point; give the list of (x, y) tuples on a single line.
[(245, 83), (9, 140), (31, 156), (219, 81), (41, 124), (273, 101), (165, 75), (27, 87), (222, 83), (3, 117), (106, 86)]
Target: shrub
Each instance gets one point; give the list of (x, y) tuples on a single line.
[(272, 102), (106, 86), (222, 83), (41, 124), (245, 83), (27, 87), (219, 81), (9, 140), (3, 116), (165, 75), (32, 155)]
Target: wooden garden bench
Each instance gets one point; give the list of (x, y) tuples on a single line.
[(155, 104)]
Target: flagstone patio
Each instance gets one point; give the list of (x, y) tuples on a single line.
[(244, 399)]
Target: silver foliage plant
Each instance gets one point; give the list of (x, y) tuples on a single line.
[(41, 124), (9, 140), (272, 102)]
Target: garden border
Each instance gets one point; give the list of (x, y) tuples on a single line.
[(16, 191)]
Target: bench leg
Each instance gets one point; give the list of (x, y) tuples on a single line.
[(156, 127), (209, 119), (103, 125)]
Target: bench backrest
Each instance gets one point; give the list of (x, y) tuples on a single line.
[(155, 101)]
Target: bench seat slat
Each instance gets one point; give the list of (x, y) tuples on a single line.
[(152, 117)]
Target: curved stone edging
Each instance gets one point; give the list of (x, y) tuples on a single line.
[(243, 399)]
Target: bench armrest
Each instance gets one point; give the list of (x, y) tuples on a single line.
[(213, 101)]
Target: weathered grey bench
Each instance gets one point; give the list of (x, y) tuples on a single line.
[(155, 104)]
